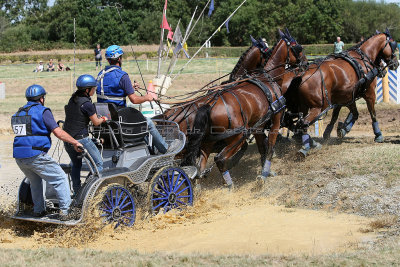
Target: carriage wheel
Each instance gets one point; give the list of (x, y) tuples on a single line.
[(170, 188), (118, 206)]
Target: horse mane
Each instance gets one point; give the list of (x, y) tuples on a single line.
[(268, 54), (235, 69), (361, 43)]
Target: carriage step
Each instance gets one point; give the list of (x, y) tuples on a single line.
[(51, 218), (191, 171)]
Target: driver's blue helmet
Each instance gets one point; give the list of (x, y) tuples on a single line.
[(34, 92), (114, 52), (85, 81)]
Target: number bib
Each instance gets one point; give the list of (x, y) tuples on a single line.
[(21, 125)]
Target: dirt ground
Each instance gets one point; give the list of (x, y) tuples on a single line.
[(343, 203)]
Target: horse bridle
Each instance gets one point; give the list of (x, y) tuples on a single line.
[(393, 45)]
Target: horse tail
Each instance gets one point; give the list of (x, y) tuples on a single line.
[(195, 137), (290, 94)]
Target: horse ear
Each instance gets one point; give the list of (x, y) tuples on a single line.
[(287, 33), (281, 34), (377, 32), (387, 31), (254, 41)]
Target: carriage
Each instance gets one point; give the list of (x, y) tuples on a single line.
[(133, 171)]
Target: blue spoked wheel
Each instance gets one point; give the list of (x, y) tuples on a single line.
[(118, 206), (170, 189)]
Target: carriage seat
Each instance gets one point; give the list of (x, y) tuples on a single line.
[(128, 126), (133, 127)]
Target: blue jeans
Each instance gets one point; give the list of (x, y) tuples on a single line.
[(45, 167), (77, 162), (158, 140)]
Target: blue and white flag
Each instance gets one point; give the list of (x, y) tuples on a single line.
[(211, 8), (227, 25)]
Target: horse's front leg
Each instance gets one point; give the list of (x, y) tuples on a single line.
[(270, 145), (370, 98), (345, 127), (306, 139), (329, 127)]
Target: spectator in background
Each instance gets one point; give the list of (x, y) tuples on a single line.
[(50, 65), (362, 39), (39, 68), (97, 56), (338, 45), (60, 66)]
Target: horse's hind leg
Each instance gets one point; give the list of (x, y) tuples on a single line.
[(270, 145), (345, 127), (230, 156), (262, 148), (370, 99), (329, 127)]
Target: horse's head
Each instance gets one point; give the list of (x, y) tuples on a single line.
[(295, 56), (387, 53)]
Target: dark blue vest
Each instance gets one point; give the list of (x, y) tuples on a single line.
[(32, 137), (108, 89)]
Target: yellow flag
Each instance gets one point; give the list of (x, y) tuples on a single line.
[(185, 46)]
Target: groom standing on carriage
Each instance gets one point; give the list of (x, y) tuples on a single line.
[(114, 85)]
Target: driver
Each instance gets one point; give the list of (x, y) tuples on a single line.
[(32, 124), (78, 113), (114, 86)]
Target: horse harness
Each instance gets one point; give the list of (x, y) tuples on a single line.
[(364, 79)]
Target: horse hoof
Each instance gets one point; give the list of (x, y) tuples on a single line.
[(272, 174), (261, 179), (230, 187), (379, 139), (315, 145), (341, 133)]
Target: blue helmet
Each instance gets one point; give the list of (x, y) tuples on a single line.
[(114, 52), (85, 81), (34, 92)]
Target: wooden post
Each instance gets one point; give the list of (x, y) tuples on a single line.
[(385, 88), (70, 82)]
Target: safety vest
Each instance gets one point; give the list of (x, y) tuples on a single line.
[(108, 89), (75, 121), (32, 136)]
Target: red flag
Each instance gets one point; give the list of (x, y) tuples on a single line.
[(165, 24), (170, 35)]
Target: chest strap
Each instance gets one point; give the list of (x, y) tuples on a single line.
[(101, 79)]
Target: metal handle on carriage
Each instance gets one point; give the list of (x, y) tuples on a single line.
[(89, 161)]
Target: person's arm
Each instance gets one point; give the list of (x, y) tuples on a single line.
[(96, 120), (64, 136), (126, 84), (89, 110), (53, 127)]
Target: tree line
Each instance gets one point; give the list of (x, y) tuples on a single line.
[(32, 24)]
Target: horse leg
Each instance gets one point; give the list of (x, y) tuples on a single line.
[(260, 141), (370, 99), (345, 127), (307, 141), (329, 127), (273, 134), (229, 156), (204, 154)]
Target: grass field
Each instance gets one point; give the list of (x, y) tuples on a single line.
[(60, 85)]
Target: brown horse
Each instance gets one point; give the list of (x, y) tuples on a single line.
[(339, 80), (224, 119)]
